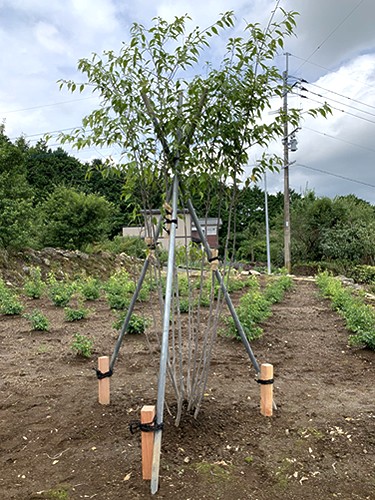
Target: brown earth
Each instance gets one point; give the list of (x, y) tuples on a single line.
[(57, 442)]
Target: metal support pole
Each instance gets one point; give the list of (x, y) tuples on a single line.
[(164, 344), (267, 225), (135, 297), (224, 290), (129, 313), (287, 252)]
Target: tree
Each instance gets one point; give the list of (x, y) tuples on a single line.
[(16, 212), (204, 136), (47, 169), (71, 219)]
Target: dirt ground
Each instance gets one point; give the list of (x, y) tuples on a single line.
[(57, 442)]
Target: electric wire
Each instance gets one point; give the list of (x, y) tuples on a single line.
[(340, 139), (337, 109), (46, 105), (330, 70), (331, 33), (338, 94), (303, 89), (334, 175)]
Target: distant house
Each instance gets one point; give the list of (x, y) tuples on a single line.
[(185, 232)]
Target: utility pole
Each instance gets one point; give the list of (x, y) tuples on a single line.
[(267, 224), (287, 252)]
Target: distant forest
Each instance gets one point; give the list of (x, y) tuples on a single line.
[(49, 198)]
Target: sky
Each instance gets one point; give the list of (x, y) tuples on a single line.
[(333, 50)]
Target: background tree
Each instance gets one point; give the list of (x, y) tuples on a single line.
[(16, 196), (72, 219)]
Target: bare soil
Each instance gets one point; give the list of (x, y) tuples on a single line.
[(57, 442)]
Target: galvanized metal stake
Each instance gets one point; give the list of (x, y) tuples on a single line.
[(164, 344)]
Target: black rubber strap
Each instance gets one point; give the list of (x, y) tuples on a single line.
[(150, 427), (265, 382), (100, 375)]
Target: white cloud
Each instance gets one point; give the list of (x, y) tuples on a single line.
[(49, 38), (44, 41)]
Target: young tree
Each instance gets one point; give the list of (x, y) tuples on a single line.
[(171, 121), (209, 133)]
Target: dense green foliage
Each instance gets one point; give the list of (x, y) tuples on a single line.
[(68, 210), (38, 321), (73, 219), (359, 317), (255, 305)]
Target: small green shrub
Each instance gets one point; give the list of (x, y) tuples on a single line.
[(255, 306), (76, 314), (39, 322), (60, 292), (118, 289), (9, 301), (363, 274), (89, 287), (82, 345), (10, 305), (275, 289), (144, 293), (34, 285), (184, 305), (137, 324)]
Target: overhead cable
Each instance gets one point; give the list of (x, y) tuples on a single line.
[(335, 175)]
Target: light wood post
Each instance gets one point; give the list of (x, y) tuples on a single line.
[(103, 367), (266, 390), (147, 439)]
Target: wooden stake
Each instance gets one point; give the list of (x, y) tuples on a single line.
[(266, 390), (103, 367), (147, 439), (214, 263)]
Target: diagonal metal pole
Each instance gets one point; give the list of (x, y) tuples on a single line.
[(135, 296), (164, 344), (129, 314), (228, 300)]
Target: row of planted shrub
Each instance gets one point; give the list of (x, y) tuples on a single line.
[(350, 304), (118, 290), (256, 305)]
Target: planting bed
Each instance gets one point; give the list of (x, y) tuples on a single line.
[(58, 443)]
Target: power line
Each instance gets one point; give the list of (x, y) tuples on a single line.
[(303, 89), (331, 33), (337, 93), (339, 139), (337, 109), (41, 134), (335, 175), (46, 105), (329, 70)]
